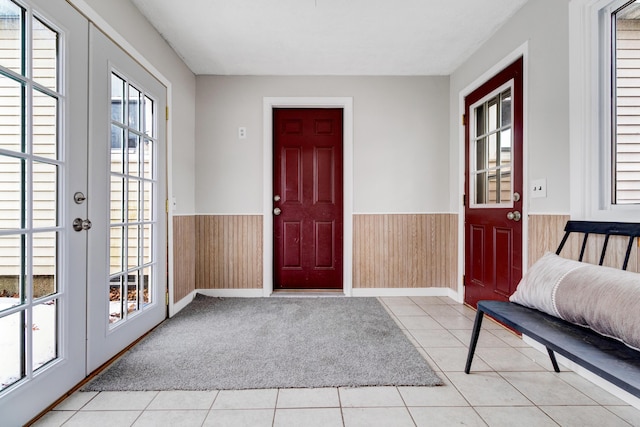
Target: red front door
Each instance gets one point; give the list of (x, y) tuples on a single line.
[(493, 187), (307, 188)]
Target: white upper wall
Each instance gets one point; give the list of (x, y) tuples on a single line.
[(124, 18), (400, 142), (543, 25)]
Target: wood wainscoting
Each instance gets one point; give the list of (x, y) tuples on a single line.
[(184, 256), (228, 252), (405, 251), (545, 234)]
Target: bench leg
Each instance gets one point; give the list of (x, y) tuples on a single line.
[(554, 362), (474, 339)]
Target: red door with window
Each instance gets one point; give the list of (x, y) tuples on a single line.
[(307, 188), (493, 187)]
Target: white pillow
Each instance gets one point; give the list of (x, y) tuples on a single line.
[(538, 286)]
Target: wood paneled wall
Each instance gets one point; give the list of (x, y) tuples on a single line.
[(184, 256), (405, 251), (228, 252), (545, 234), (389, 251)]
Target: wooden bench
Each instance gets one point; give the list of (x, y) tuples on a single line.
[(606, 357)]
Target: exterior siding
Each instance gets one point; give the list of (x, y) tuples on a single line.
[(628, 111)]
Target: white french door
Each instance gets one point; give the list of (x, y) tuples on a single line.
[(82, 191), (43, 128), (127, 254)]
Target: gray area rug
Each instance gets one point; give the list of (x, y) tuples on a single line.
[(254, 343)]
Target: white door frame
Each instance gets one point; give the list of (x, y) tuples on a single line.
[(269, 104)]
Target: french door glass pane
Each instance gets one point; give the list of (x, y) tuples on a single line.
[(11, 195), (149, 128), (134, 108), (148, 160), (45, 119), (11, 339), (133, 160), (132, 197), (44, 264), (12, 249), (115, 302), (146, 285), (45, 194), (45, 55), (133, 200), (11, 114), (117, 199), (117, 97), (146, 249), (12, 27), (146, 200), (44, 331)]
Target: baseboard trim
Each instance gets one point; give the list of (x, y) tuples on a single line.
[(231, 293), (401, 292), (177, 306)]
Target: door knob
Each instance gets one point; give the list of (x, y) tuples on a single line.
[(514, 216), (277, 211), (276, 198), (81, 224)]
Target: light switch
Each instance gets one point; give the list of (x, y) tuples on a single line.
[(538, 188)]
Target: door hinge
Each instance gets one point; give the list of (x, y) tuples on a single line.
[(464, 280), (166, 206), (464, 200), (166, 113), (166, 299), (464, 120)]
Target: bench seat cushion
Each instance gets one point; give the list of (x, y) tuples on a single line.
[(604, 299)]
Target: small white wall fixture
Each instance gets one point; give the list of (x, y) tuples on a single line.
[(269, 103)]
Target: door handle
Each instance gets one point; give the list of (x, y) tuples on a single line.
[(514, 216), (81, 224), (277, 211)]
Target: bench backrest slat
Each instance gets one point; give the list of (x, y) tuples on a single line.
[(607, 229)]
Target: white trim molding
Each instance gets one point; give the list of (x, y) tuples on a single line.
[(405, 292), (589, 119), (269, 103), (230, 293)]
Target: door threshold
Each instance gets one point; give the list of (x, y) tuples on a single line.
[(306, 293)]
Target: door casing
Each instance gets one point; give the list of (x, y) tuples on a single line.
[(269, 103)]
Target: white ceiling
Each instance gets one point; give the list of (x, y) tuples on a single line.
[(326, 37)]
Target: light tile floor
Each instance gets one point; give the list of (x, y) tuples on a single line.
[(510, 384)]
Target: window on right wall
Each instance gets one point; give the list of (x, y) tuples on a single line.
[(625, 104)]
